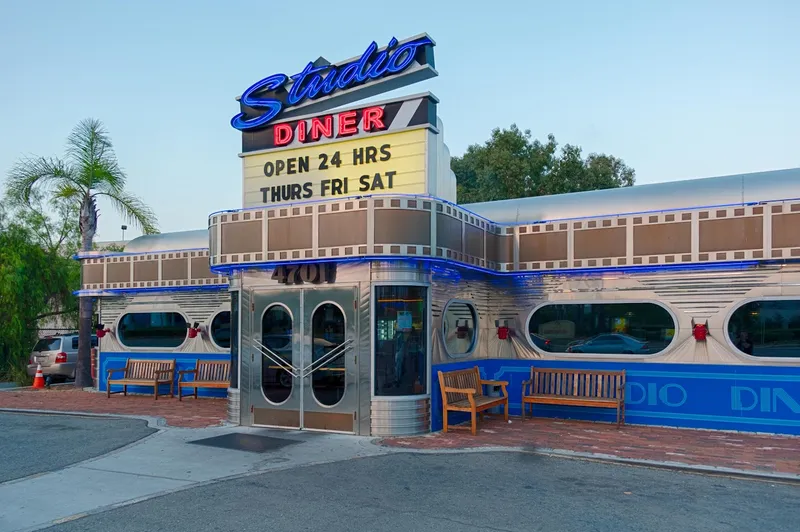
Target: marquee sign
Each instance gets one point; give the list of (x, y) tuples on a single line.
[(383, 164), (321, 85)]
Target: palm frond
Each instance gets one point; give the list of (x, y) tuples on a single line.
[(92, 153), (133, 210), (39, 172)]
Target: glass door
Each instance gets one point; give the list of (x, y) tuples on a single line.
[(307, 373)]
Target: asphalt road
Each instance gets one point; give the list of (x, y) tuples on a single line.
[(460, 493), (31, 444)]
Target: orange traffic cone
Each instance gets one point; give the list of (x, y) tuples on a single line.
[(38, 380)]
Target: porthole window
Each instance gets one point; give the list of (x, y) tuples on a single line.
[(459, 328), (602, 328), (221, 330), (767, 328), (164, 330)]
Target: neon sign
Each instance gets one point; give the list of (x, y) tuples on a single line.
[(316, 82)]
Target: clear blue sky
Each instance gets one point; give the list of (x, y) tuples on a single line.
[(677, 88)]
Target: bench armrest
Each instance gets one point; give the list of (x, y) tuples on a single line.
[(117, 370), (494, 383), (183, 372), (468, 391)]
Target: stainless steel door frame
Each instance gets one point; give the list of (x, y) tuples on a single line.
[(302, 408)]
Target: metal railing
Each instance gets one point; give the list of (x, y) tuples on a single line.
[(286, 366)]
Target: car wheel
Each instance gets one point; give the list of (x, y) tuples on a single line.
[(285, 379)]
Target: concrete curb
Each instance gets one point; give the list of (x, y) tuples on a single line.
[(153, 422), (598, 457)]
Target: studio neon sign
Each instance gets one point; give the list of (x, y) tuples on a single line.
[(318, 81)]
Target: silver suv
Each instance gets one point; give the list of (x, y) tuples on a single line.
[(58, 356)]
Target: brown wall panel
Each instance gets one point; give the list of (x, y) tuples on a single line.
[(499, 248), (542, 246), (395, 226), (598, 243), (448, 232), (92, 273), (201, 269), (473, 244), (242, 237), (662, 239), (786, 231), (342, 229), (289, 233), (145, 270), (118, 272), (174, 269), (731, 233)]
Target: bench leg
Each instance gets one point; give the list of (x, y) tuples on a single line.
[(172, 389), (195, 392), (108, 390), (444, 421), (180, 395), (125, 390), (474, 423), (506, 411)]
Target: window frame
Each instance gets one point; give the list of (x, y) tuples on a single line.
[(310, 329), (664, 351), (372, 322), (210, 328), (477, 320), (153, 348), (736, 307)]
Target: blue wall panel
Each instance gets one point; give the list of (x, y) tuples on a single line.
[(183, 361), (743, 398)]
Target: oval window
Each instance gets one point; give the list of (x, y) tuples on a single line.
[(602, 328), (767, 328), (459, 328), (221, 330), (152, 329)]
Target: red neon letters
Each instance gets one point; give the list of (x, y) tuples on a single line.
[(323, 126)]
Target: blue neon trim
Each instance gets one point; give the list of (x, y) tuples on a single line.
[(742, 265), (153, 289)]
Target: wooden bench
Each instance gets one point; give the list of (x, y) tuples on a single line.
[(207, 374), (576, 387), (140, 372), (462, 391)]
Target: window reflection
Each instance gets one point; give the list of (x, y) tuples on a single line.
[(276, 335), (221, 329), (602, 328), (458, 328), (400, 340), (767, 328), (152, 329)]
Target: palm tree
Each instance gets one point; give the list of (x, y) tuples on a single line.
[(88, 171)]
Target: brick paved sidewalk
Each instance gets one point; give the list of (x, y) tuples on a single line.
[(754, 453), (188, 413)]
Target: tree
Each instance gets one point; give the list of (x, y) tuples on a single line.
[(511, 165), (88, 171), (35, 283)]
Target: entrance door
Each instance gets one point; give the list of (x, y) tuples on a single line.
[(308, 365)]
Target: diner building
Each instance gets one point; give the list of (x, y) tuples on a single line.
[(349, 276)]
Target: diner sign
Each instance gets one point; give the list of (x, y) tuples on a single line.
[(321, 85)]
